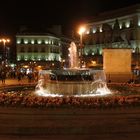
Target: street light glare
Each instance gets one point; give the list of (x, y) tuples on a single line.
[(8, 40), (5, 49), (82, 30), (4, 40)]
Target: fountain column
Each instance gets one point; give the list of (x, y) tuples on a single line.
[(73, 56)]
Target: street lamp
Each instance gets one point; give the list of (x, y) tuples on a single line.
[(81, 31), (4, 41)]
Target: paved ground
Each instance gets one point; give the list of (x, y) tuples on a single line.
[(69, 124), (15, 82)]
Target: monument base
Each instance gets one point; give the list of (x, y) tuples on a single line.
[(119, 77), (117, 65)]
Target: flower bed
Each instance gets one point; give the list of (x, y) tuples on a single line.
[(22, 99)]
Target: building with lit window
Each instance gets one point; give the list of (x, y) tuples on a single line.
[(114, 29), (45, 50)]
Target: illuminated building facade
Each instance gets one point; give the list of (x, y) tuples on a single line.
[(114, 29), (38, 48), (45, 50)]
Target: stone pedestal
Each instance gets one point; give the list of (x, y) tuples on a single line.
[(117, 64)]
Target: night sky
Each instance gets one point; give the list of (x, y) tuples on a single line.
[(43, 13)]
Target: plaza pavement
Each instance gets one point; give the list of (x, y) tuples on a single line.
[(67, 123), (10, 82)]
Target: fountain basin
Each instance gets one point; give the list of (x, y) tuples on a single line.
[(71, 87), (71, 81)]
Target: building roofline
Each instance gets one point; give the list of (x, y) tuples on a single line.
[(44, 34), (35, 34), (134, 9)]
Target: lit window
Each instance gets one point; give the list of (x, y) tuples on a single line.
[(94, 30), (39, 41), (59, 59), (100, 29), (100, 51), (49, 57), (127, 24), (32, 41), (46, 41), (25, 58), (12, 65), (25, 41), (18, 58), (52, 42), (120, 25), (18, 41), (49, 41), (39, 58), (133, 50), (139, 22)]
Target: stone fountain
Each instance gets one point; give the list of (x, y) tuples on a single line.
[(73, 81)]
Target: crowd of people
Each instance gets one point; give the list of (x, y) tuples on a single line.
[(19, 76)]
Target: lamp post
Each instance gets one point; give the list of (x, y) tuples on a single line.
[(4, 41), (81, 31)]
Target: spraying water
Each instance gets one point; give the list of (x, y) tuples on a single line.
[(73, 81), (73, 56)]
